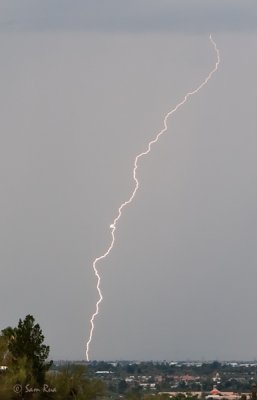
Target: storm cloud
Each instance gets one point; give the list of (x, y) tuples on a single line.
[(184, 16)]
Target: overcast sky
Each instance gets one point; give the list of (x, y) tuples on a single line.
[(132, 16), (84, 87)]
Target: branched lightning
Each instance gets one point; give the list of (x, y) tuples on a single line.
[(123, 205)]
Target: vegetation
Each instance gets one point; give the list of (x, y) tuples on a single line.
[(28, 374), (25, 342), (72, 382)]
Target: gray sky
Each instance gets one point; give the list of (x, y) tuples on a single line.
[(132, 16), (85, 86)]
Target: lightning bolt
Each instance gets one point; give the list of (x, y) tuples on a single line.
[(123, 205)]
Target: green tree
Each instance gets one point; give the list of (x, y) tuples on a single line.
[(122, 386), (72, 383), (25, 342), (4, 351)]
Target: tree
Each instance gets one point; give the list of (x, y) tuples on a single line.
[(4, 352), (72, 383), (25, 342), (122, 386)]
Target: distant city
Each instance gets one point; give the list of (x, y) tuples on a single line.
[(230, 380)]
